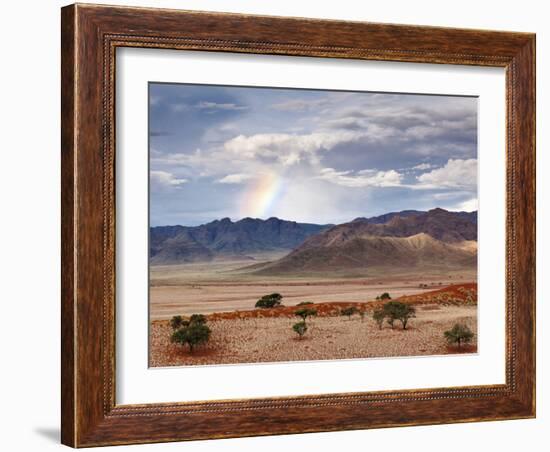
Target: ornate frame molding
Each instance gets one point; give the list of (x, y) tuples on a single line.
[(90, 37)]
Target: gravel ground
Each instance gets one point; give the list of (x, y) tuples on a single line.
[(272, 339)]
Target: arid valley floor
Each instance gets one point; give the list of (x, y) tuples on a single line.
[(243, 334)]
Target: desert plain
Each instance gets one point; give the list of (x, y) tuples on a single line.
[(226, 293)]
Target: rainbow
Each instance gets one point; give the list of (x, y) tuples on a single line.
[(261, 196)]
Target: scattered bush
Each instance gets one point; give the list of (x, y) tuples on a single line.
[(459, 334), (304, 313), (192, 332), (269, 301), (385, 296), (197, 318), (300, 328), (395, 310), (177, 321), (304, 303), (349, 311), (378, 316)]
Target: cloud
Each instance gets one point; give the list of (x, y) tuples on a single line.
[(238, 178), (364, 178), (466, 206), (418, 127), (287, 149), (164, 179), (455, 174), (378, 152), (215, 106), (423, 166), (349, 123), (299, 104)]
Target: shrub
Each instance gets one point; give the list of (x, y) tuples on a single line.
[(304, 303), (459, 334), (300, 328), (192, 334), (379, 315), (197, 318), (349, 311), (385, 296), (395, 310), (269, 301), (304, 313), (177, 321)]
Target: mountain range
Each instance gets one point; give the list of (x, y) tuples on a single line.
[(406, 239), (225, 238), (437, 238)]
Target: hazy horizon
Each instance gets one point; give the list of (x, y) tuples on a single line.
[(321, 157)]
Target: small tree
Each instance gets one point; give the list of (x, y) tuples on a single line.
[(193, 334), (300, 328), (179, 336), (197, 334), (197, 318), (269, 301), (304, 313), (459, 334), (384, 296), (395, 310), (349, 311), (379, 315), (177, 321)]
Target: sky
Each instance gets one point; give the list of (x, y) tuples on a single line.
[(312, 156)]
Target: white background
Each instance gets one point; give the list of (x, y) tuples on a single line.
[(137, 384), (30, 226)]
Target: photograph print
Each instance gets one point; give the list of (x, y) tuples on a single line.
[(301, 225)]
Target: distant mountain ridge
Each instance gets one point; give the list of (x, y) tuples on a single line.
[(436, 238), (439, 223), (180, 244), (408, 237), (470, 216)]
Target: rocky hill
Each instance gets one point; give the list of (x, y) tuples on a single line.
[(437, 238), (179, 244)]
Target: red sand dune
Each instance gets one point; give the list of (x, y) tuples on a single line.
[(457, 294)]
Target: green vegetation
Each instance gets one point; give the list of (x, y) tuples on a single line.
[(395, 310), (300, 328), (378, 316), (305, 303), (384, 296), (192, 332), (459, 334), (392, 311), (269, 301), (197, 318), (177, 321), (304, 313), (349, 311)]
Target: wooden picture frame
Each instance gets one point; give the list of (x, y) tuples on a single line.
[(90, 36)]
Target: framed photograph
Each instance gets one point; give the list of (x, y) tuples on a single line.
[(281, 225)]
